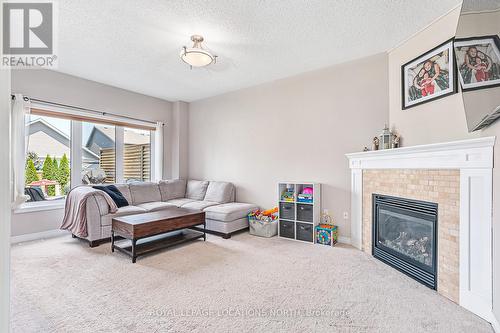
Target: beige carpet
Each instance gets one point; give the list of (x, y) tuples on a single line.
[(244, 284)]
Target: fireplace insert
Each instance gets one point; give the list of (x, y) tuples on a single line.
[(405, 236)]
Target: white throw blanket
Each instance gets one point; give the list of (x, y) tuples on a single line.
[(75, 212)]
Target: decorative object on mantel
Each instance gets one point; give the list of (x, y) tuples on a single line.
[(376, 143), (396, 141), (430, 76), (386, 138)]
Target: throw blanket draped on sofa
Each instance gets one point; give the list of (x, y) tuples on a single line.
[(75, 211)]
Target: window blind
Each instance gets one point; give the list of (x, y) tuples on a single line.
[(75, 114)]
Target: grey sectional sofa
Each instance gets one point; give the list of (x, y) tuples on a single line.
[(216, 199)]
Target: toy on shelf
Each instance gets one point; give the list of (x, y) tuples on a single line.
[(326, 232), (288, 194), (306, 196)]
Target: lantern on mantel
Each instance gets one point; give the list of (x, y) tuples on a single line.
[(386, 138)]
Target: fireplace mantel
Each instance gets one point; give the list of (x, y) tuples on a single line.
[(465, 154), (474, 159)]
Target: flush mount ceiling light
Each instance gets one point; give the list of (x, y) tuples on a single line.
[(196, 56)]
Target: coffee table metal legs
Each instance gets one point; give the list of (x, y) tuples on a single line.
[(134, 256), (135, 249)]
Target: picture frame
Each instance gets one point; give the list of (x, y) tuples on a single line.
[(478, 62), (429, 76)]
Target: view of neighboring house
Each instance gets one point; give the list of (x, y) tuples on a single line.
[(136, 160), (45, 139)]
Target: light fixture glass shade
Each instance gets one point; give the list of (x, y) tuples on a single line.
[(196, 57)]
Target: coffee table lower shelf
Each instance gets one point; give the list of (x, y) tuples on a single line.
[(154, 243)]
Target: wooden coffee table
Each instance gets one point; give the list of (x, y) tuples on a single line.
[(145, 233)]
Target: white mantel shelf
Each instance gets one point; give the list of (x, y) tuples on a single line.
[(464, 154), (474, 159)]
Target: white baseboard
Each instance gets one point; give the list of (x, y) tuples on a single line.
[(36, 236), (495, 324), (345, 240)]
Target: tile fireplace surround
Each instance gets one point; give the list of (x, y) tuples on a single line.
[(458, 177)]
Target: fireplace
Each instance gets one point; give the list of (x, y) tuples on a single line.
[(405, 236)]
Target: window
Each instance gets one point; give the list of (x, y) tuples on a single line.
[(98, 153), (102, 151), (137, 155), (47, 173)]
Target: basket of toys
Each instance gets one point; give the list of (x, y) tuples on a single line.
[(263, 223)]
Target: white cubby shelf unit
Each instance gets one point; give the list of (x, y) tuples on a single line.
[(297, 220)]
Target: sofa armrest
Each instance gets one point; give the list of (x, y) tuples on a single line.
[(94, 211), (99, 204)]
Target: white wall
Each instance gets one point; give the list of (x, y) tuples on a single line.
[(297, 128), (441, 120), (5, 197), (66, 89)]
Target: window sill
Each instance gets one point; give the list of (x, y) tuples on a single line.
[(29, 207)]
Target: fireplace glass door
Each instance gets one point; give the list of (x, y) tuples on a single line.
[(407, 235)]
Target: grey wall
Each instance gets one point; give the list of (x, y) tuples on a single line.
[(66, 89), (297, 128), (179, 137)]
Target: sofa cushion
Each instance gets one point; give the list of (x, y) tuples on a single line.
[(172, 189), (200, 205), (220, 192), (144, 192), (155, 206), (229, 211), (124, 189), (196, 189), (180, 201), (122, 211)]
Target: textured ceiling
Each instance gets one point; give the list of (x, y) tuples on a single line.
[(135, 44)]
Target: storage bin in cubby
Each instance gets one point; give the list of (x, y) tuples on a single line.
[(287, 229), (305, 231), (287, 210), (305, 212)]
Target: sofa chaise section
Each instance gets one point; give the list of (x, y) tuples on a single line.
[(228, 218)]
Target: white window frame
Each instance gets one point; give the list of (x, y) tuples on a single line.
[(76, 155)]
